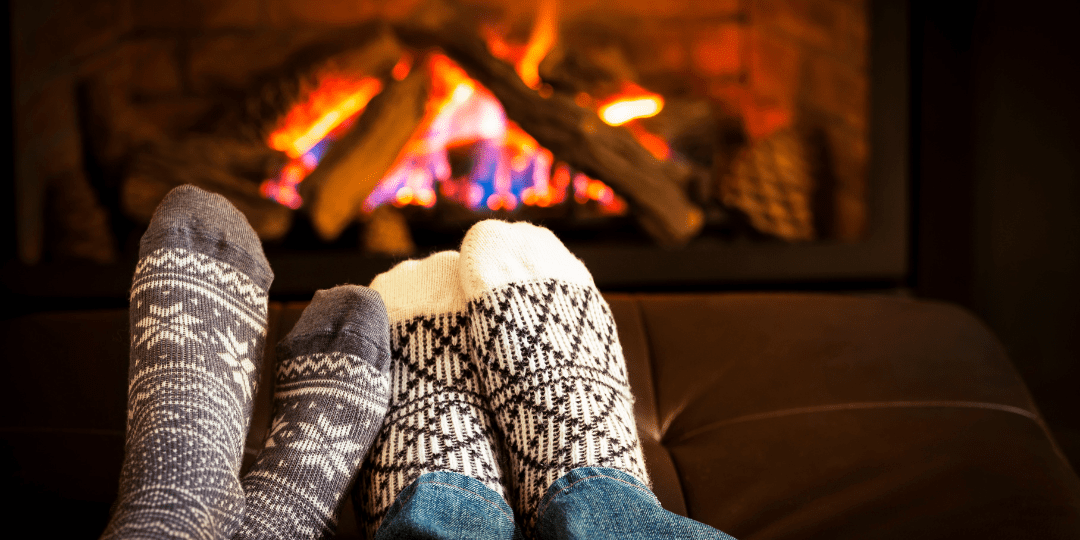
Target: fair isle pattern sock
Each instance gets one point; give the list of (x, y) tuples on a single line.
[(198, 326), (437, 420), (549, 358), (330, 397)]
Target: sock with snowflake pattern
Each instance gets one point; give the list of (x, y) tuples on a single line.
[(330, 396), (198, 326)]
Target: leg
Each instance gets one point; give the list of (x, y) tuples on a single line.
[(437, 422), (329, 401), (198, 326), (600, 503), (550, 359)]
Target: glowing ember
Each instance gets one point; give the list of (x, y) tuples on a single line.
[(632, 103)]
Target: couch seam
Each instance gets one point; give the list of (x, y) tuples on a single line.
[(650, 358), (868, 405)]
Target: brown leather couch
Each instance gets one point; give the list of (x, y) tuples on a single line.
[(769, 416)]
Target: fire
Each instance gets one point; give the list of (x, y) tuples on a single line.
[(326, 108), (308, 129), (632, 103), (508, 167), (540, 43), (526, 58)]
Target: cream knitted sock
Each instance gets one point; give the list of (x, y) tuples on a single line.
[(438, 419), (549, 358)]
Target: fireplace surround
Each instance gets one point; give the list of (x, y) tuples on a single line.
[(172, 61)]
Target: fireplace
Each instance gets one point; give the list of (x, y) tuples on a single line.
[(761, 142)]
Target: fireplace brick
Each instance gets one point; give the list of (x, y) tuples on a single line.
[(196, 14), (155, 68), (51, 35), (232, 60), (717, 50), (292, 13), (837, 88), (838, 27), (775, 67)]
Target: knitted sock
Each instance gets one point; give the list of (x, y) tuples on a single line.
[(198, 325), (549, 358), (330, 396), (437, 420)]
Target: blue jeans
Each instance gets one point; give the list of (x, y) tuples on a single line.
[(589, 502)]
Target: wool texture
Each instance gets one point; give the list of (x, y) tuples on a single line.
[(549, 358), (198, 311), (330, 396), (438, 419)]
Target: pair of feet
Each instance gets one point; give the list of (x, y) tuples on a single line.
[(505, 367), (500, 363)]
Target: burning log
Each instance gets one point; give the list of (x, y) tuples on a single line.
[(574, 134), (386, 232), (360, 160)]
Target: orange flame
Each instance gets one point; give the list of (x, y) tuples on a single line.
[(333, 102), (541, 40)]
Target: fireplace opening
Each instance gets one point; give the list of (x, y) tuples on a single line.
[(697, 142)]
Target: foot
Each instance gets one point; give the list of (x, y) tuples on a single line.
[(549, 357), (438, 419), (330, 397), (198, 326)]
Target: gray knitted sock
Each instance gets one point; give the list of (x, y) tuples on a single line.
[(198, 325), (330, 397)]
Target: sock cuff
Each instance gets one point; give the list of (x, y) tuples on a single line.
[(496, 253), (207, 223), (421, 287)]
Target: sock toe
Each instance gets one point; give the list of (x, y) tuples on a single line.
[(495, 253), (347, 318), (207, 223)]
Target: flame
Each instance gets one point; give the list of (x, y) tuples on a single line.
[(333, 102), (631, 103), (509, 167), (655, 144), (526, 57), (541, 40)]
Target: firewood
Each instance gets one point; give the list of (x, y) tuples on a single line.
[(359, 161), (386, 232), (771, 182), (574, 134)]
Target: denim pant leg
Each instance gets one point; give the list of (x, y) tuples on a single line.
[(586, 503), (601, 503), (447, 506)]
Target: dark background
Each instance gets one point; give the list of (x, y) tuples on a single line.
[(995, 183), (997, 188)]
